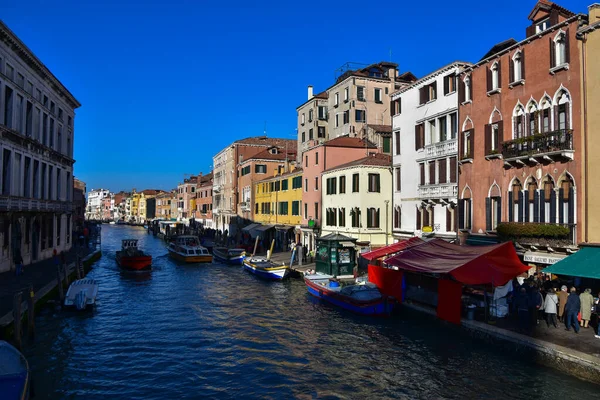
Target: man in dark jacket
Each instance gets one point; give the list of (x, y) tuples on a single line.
[(572, 308), (521, 303), (535, 302)]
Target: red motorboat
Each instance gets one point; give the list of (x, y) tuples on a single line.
[(130, 257)]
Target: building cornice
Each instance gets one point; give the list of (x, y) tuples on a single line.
[(293, 174), (446, 68), (16, 45), (34, 146), (387, 167)]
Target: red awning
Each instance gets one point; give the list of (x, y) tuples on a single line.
[(392, 249), (471, 265)]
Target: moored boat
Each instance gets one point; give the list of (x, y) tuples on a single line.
[(265, 268), (229, 256), (81, 294), (361, 298), (187, 248), (14, 373), (132, 258)]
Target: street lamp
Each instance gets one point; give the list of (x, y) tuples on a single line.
[(387, 203)]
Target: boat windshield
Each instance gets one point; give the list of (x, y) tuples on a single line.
[(191, 242)]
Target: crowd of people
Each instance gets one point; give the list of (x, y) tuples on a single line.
[(538, 298)]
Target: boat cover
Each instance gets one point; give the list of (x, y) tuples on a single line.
[(392, 249), (364, 292), (471, 265)]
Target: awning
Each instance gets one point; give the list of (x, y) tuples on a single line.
[(391, 249), (250, 227), (482, 240), (584, 264), (263, 228), (471, 265), (283, 227), (347, 244), (542, 258)]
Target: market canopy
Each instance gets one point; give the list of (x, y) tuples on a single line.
[(250, 227), (471, 265), (392, 249), (584, 264)]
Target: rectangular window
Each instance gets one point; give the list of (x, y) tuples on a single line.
[(397, 142), (6, 172), (346, 117), (316, 210), (259, 169), (336, 100), (310, 134), (346, 95), (449, 84), (360, 115), (343, 184), (398, 179), (322, 112), (10, 72), (8, 106), (284, 184), (387, 146), (310, 115), (306, 161), (453, 126), (321, 131), (331, 186), (372, 217), (337, 120), (355, 183), (306, 184), (296, 208), (378, 98), (27, 178), (422, 173), (305, 210), (316, 158), (443, 129), (355, 214), (316, 183), (36, 179), (245, 171), (342, 217), (374, 183), (360, 93)]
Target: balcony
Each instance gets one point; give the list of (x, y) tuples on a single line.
[(539, 234), (440, 149), (537, 149), (11, 203), (439, 191), (217, 188)]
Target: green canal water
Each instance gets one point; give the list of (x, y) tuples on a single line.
[(215, 331)]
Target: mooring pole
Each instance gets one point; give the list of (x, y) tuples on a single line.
[(30, 312), (17, 298), (61, 294)]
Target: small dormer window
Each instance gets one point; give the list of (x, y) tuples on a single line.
[(541, 26), (274, 150)]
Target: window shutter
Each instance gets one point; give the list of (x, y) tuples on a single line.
[(377, 218), (422, 95), (511, 207), (499, 73), (523, 64), (368, 217), (422, 171), (453, 166), (442, 169), (392, 108), (526, 205), (448, 220), (377, 183), (472, 142), (571, 205), (567, 52), (489, 78), (552, 50), (542, 206), (461, 214), (536, 207), (432, 222), (421, 136), (511, 71), (499, 210), (446, 85), (488, 214), (461, 90), (561, 208), (488, 139), (418, 219), (432, 172), (553, 19), (500, 137), (552, 206), (434, 85), (567, 112), (417, 137), (425, 217), (520, 208), (472, 94)]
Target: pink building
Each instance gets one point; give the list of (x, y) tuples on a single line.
[(316, 159), (107, 209)]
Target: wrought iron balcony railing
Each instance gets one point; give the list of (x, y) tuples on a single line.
[(539, 145)]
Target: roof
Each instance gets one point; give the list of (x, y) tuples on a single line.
[(266, 141), (392, 249), (441, 70), (296, 171), (546, 5), (375, 160), (381, 128), (584, 264), (336, 237), (205, 179), (322, 95), (151, 192), (365, 71), (281, 155), (497, 48), (347, 141), (407, 76)]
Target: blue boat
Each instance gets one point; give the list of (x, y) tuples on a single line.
[(229, 256), (363, 298), (14, 373), (266, 269)]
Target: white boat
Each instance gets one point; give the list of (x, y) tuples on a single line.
[(81, 294), (187, 248), (265, 268), (112, 223)]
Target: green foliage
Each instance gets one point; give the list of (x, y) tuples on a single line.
[(512, 230)]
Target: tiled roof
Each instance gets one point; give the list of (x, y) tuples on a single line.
[(407, 76), (151, 192), (281, 154), (547, 5), (347, 141), (322, 95), (381, 128), (267, 141), (206, 178), (499, 47), (375, 160)]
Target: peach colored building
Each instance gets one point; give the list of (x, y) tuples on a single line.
[(204, 201), (317, 158)]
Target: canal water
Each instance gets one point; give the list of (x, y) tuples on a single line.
[(214, 331)]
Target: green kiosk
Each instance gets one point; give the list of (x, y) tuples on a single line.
[(336, 254)]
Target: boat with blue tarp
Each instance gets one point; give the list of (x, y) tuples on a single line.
[(229, 256), (14, 373)]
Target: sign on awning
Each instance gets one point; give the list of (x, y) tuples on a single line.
[(542, 258)]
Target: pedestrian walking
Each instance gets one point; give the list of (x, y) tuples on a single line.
[(18, 260), (535, 303), (550, 308), (587, 302), (522, 307), (562, 302), (572, 308)]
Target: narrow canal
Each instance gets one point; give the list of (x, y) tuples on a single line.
[(215, 331)]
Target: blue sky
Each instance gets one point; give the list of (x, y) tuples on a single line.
[(165, 85)]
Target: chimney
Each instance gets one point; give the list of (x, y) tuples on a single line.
[(594, 12), (310, 92)]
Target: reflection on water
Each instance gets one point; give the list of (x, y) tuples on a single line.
[(213, 331)]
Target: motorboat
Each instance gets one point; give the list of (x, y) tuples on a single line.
[(187, 248), (14, 373), (132, 258), (229, 256), (265, 268), (362, 298), (81, 294)]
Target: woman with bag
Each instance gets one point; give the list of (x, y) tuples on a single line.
[(550, 307)]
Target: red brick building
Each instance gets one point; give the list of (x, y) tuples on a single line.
[(520, 145), (204, 199)]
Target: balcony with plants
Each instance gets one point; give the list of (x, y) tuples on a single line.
[(539, 148), (538, 234)]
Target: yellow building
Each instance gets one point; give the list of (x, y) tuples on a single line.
[(278, 200), (135, 205)]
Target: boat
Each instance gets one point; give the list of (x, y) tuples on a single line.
[(229, 256), (265, 268), (187, 248), (121, 222), (81, 294), (361, 298), (132, 258), (14, 373), (112, 223)]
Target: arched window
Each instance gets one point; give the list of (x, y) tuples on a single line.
[(517, 67), (548, 201), (532, 118), (464, 209), (518, 121), (531, 198), (515, 202), (468, 88), (546, 114), (566, 200), (562, 110), (493, 208), (560, 49), (397, 216)]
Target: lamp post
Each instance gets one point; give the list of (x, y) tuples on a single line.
[(387, 203)]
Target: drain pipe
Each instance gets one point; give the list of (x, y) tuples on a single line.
[(585, 137)]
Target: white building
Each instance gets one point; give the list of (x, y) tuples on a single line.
[(356, 200), (36, 156), (425, 149), (93, 209)]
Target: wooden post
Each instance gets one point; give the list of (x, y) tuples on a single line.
[(255, 246), (17, 318), (78, 267), (61, 294), (300, 253), (271, 249), (66, 271), (30, 312)]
